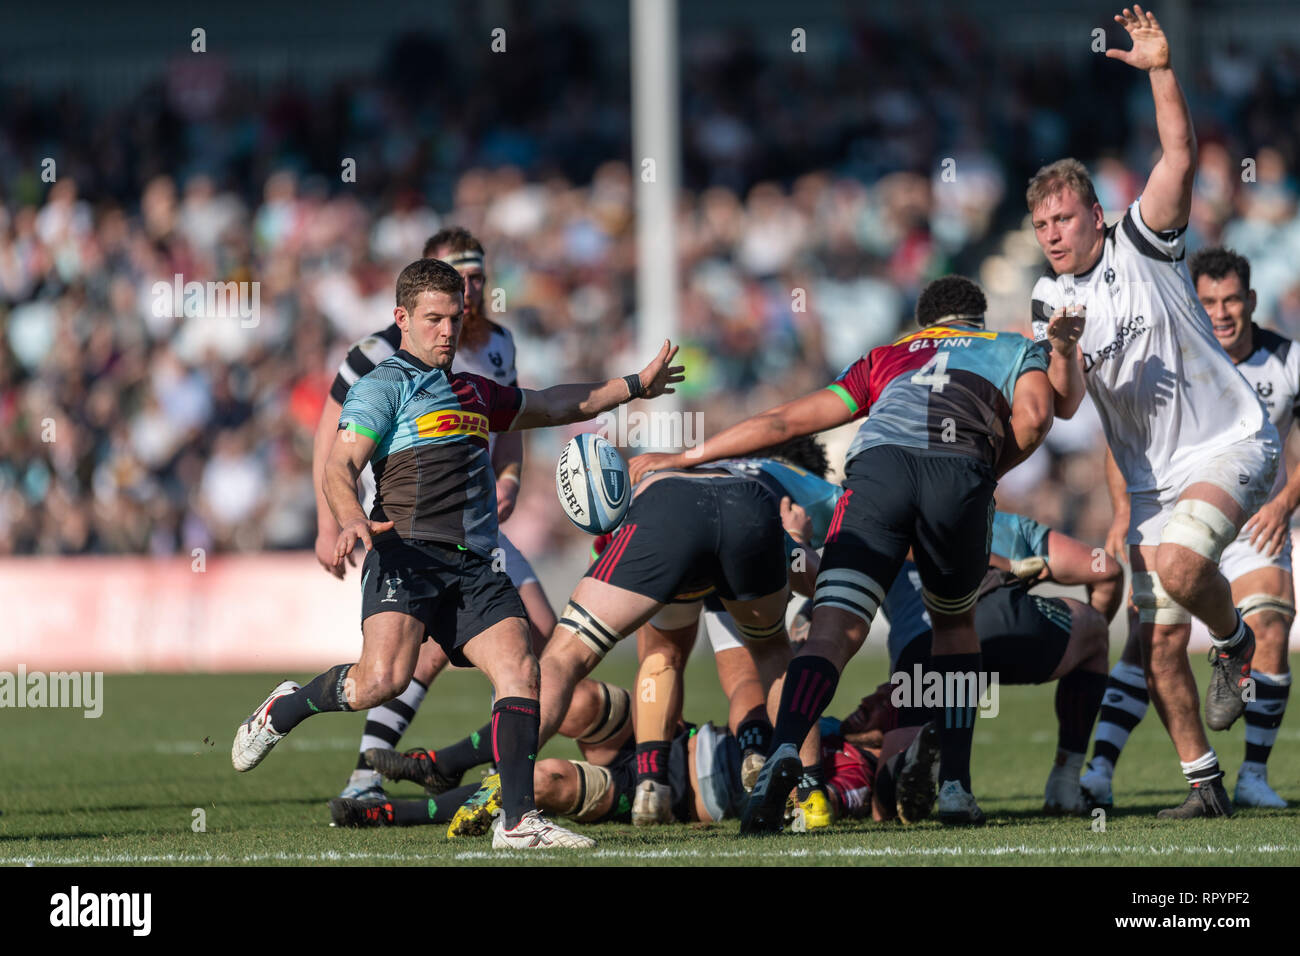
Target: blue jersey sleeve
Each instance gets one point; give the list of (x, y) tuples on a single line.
[(1016, 537), (372, 404)]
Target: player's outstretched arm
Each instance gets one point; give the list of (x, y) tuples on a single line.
[(1270, 525), (807, 415), (1070, 561), (508, 465), (1167, 199), (562, 404), (1031, 418), (352, 449)]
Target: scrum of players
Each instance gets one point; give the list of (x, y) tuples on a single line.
[(417, 460)]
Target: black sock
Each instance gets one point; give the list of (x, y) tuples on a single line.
[(323, 693), (465, 754), (811, 779), (516, 722), (755, 734), (1078, 698), (440, 809), (810, 684), (652, 761), (957, 728)]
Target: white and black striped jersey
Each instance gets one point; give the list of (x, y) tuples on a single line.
[(1273, 371), (1167, 394), (495, 360)]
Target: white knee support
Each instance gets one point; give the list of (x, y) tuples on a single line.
[(1200, 527), (1254, 603), (593, 783), (851, 591), (615, 712), (1153, 602), (591, 630)]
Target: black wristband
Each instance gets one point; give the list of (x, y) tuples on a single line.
[(634, 387)]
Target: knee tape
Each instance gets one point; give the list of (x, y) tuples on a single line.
[(1154, 604), (593, 783), (755, 632), (1254, 603), (1201, 527), (615, 712), (949, 606), (591, 630)]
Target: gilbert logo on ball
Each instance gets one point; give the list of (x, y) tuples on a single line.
[(591, 481)]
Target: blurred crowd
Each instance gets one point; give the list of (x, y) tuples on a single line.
[(818, 200)]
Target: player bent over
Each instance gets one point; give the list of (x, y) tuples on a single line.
[(686, 534), (1257, 564), (434, 524), (1196, 450), (952, 407)]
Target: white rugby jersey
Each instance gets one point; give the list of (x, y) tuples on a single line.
[(1167, 394), (1273, 370), (495, 360)]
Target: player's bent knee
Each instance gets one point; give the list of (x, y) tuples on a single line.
[(1270, 607), (849, 591), (761, 632), (1154, 603), (1199, 527), (598, 636), (593, 784), (614, 715)]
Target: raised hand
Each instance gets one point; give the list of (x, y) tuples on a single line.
[(1063, 331), (1150, 48), (658, 375)]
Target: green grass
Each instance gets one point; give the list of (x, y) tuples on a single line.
[(122, 789)]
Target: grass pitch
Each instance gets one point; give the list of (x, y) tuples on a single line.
[(125, 789)]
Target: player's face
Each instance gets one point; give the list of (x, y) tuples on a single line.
[(1069, 232), (1229, 307), (432, 329)]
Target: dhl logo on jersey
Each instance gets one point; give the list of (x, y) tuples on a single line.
[(946, 332), (447, 424)]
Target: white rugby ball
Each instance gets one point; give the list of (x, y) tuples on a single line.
[(592, 483)]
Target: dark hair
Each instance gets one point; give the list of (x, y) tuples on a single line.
[(426, 275), (455, 238), (806, 452), (950, 296), (1216, 262)]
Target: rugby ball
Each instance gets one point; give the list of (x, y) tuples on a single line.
[(592, 483)]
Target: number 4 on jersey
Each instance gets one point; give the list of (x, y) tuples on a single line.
[(934, 372)]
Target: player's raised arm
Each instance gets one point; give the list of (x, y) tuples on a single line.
[(815, 412), (1065, 363), (562, 404), (1167, 199)]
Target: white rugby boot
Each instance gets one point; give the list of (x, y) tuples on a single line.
[(255, 737)]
